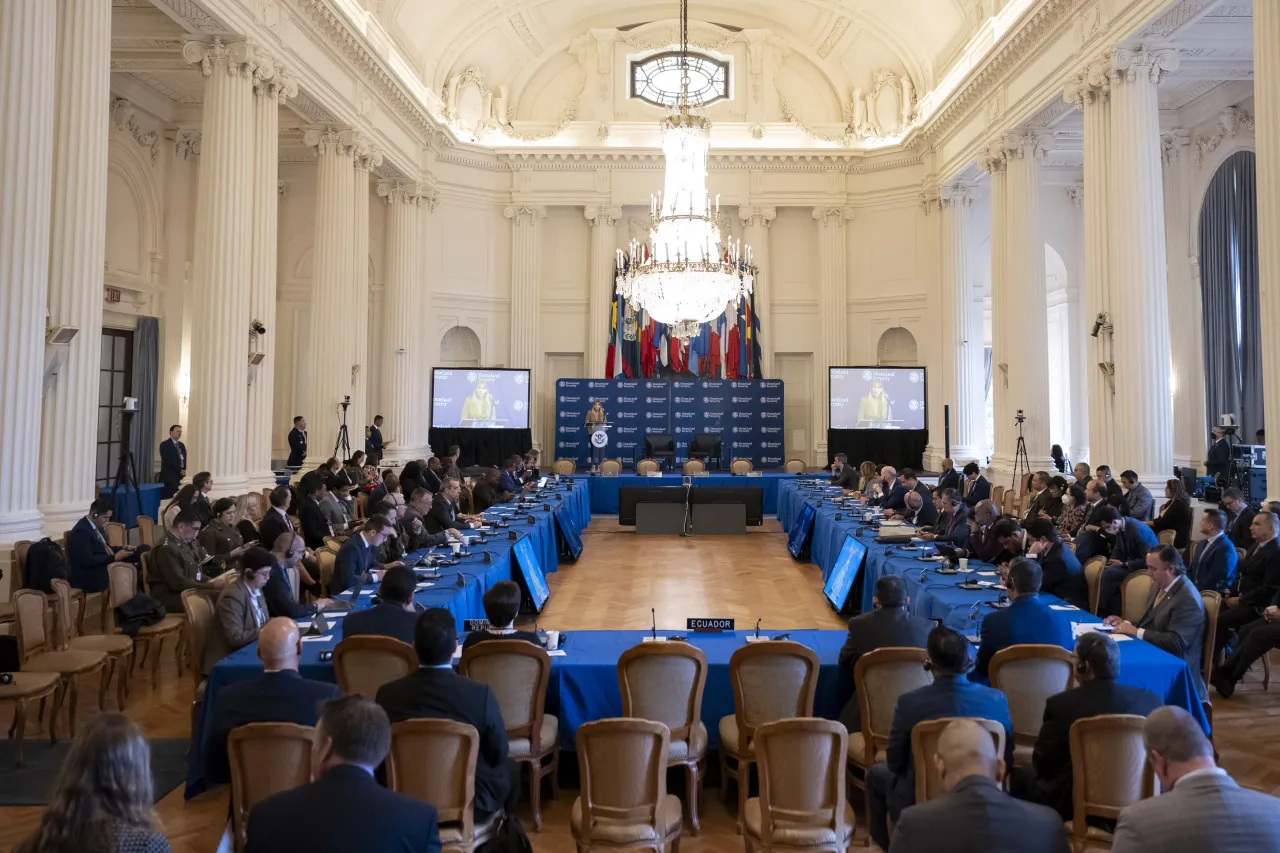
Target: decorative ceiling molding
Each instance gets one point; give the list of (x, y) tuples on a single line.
[(191, 15), (308, 108), (125, 119), (833, 37), (521, 28), (1179, 15), (153, 82)]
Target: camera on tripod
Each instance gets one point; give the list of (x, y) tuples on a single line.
[(1019, 418), (346, 400)]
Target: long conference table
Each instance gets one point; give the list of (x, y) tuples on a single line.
[(604, 488)]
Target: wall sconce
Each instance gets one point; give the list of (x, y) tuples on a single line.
[(1108, 369), (184, 389)]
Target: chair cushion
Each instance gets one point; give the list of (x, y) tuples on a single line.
[(798, 835), (695, 747), (171, 622), (70, 661), (857, 744), (617, 832), (729, 737), (1092, 833), (451, 833), (112, 644), (28, 684), (518, 747)]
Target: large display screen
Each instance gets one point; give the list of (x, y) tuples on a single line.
[(531, 571), (877, 397), (475, 398), (844, 572)]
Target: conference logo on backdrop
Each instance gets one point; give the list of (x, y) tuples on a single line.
[(627, 416), (518, 405), (914, 405), (768, 430), (627, 400), (739, 384), (773, 415), (624, 430), (684, 401), (684, 430), (563, 414), (597, 385), (771, 445), (628, 384), (574, 399), (770, 400), (655, 416), (562, 429), (738, 400), (741, 415), (914, 376), (682, 415), (770, 460), (718, 401), (679, 385)]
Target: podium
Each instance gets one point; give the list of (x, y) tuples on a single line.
[(598, 441)]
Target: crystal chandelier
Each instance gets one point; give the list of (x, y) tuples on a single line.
[(685, 275)]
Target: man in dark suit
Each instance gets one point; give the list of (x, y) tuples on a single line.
[(950, 477), (891, 786), (1060, 571), (984, 544), (1240, 517), (1027, 619), (1131, 539), (315, 524), (276, 521), (843, 474), (1043, 498), (974, 814), (173, 462), (202, 506), (978, 488), (1104, 477), (89, 555), (279, 695), (444, 509), (952, 527), (888, 625), (297, 442), (345, 809), (917, 510), (1218, 460), (395, 615), (1213, 558), (1174, 619), (373, 441), (431, 476), (287, 553), (1257, 582), (893, 494), (436, 691), (1048, 779), (359, 554)]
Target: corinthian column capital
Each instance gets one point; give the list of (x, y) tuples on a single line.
[(1128, 63), (757, 214), (993, 158), (525, 214), (597, 215), (833, 215), (335, 140), (367, 156), (241, 57), (1020, 144), (955, 195)]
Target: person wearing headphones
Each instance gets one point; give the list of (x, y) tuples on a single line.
[(891, 786), (1097, 661)]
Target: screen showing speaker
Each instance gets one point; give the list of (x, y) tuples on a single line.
[(877, 397), (844, 572), (474, 398)]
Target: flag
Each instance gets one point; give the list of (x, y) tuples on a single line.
[(744, 340), (612, 351), (757, 354), (698, 346)]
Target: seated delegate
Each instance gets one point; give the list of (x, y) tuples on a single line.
[(501, 606), (395, 614)]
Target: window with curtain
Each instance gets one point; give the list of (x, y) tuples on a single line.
[(1229, 290), (115, 382)]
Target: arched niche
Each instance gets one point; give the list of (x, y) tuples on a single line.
[(897, 346), (132, 216), (460, 347)]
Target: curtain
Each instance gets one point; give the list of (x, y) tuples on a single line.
[(1229, 290), (146, 370)]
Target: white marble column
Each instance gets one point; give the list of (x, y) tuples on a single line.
[(181, 156), (1136, 257), (402, 308), (366, 159), (833, 305), (271, 87), (1090, 92), (68, 442), (330, 321), (1266, 103), (1185, 331), (1003, 433), (526, 269), (604, 243), (756, 221), (28, 40), (961, 374)]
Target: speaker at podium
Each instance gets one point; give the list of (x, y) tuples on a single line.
[(598, 439)]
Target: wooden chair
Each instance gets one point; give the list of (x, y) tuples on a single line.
[(1166, 537), (333, 542), (771, 681), (199, 611), (802, 800), (997, 497), (1109, 771), (622, 765), (611, 466), (362, 664), (740, 466), (1134, 593), (117, 648), (664, 682), (1092, 576), (122, 586), (518, 672), (649, 466), (1028, 675), (326, 557), (924, 744), (147, 530), (794, 466), (265, 759), (27, 686), (879, 678), (117, 534), (1212, 608), (564, 467), (434, 761), (362, 506), (37, 652), (694, 466)]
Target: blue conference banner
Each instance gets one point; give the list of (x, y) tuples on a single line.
[(747, 415)]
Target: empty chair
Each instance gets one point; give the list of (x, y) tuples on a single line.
[(794, 466), (706, 447), (694, 466), (37, 652), (122, 579), (1134, 593), (880, 677), (802, 801), (198, 609), (25, 687), (611, 466), (1092, 575), (648, 466), (740, 466), (1028, 675), (434, 761), (664, 682), (326, 557), (147, 530), (265, 759), (363, 663), (622, 764), (564, 467), (659, 446), (771, 681), (1109, 771), (997, 495), (924, 743), (517, 672), (118, 649)]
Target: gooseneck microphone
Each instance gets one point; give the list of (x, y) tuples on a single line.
[(654, 616), (758, 621)]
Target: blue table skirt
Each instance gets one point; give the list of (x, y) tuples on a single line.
[(936, 596), (604, 490), (129, 505)]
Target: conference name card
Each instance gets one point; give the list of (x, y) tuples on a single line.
[(471, 625), (705, 625)]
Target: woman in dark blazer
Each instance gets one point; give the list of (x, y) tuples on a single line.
[(1175, 515)]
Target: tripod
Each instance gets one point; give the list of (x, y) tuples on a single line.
[(344, 440), (126, 470), (1020, 461)]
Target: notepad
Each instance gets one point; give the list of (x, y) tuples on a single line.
[(424, 586), (556, 653), (1079, 629), (1063, 607), (323, 638), (987, 574)]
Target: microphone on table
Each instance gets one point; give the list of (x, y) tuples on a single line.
[(758, 621), (654, 616)]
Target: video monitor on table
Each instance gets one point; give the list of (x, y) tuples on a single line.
[(535, 582), (479, 398), (844, 572), (877, 397)]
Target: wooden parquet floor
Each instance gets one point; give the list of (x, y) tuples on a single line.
[(619, 577)]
